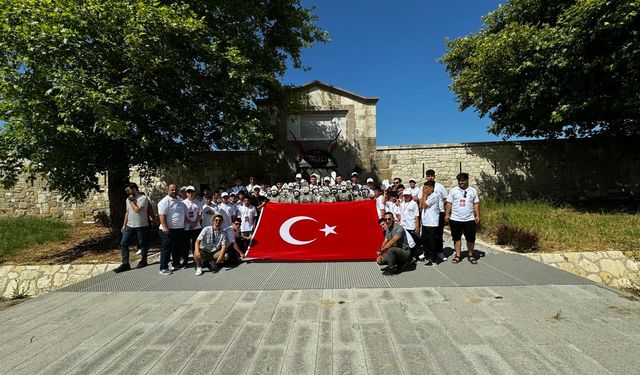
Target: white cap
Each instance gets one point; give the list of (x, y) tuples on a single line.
[(406, 192), (190, 187), (317, 175), (326, 178), (369, 179), (257, 188), (412, 179), (354, 174), (298, 175), (225, 194), (184, 188)]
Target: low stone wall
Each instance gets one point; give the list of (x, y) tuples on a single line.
[(611, 268), (35, 280)]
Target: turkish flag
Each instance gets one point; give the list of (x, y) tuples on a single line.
[(317, 231)]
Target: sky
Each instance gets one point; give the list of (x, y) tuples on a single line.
[(390, 51)]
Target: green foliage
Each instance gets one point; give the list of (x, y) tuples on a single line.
[(28, 232), (552, 69), (102, 85)]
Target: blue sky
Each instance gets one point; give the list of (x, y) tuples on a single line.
[(389, 50)]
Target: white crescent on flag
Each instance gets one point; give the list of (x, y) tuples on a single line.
[(285, 230)]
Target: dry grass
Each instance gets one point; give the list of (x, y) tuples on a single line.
[(565, 228), (85, 244)]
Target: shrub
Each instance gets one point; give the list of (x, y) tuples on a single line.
[(522, 240)]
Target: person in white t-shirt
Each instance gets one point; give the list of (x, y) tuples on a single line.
[(136, 223), (252, 184), (248, 215), (409, 215), (463, 214), (430, 239), (430, 175), (192, 223), (171, 213), (230, 208), (413, 189), (378, 195), (391, 205)]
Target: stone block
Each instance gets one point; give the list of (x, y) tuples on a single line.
[(588, 266), (82, 269), (594, 277), (615, 268), (44, 282), (12, 275), (567, 267), (12, 286), (552, 258), (59, 279), (4, 270), (574, 257), (606, 277), (29, 275), (631, 265)]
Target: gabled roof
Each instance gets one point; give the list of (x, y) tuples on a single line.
[(338, 91)]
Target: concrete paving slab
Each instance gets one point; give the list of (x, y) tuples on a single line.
[(196, 328)]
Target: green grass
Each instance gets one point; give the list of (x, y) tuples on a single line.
[(18, 233), (564, 228)]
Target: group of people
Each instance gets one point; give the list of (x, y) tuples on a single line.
[(413, 221), (215, 227)]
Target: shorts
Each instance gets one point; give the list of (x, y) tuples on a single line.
[(208, 254), (458, 228)]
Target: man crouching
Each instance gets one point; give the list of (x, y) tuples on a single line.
[(211, 245), (394, 251)]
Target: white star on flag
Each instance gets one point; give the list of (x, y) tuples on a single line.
[(328, 230)]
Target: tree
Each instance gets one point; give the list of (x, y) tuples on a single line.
[(103, 85), (561, 68)]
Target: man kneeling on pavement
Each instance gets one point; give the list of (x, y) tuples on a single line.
[(395, 250), (211, 245)]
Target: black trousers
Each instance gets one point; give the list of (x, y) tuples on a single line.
[(431, 242)]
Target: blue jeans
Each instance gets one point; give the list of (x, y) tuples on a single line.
[(171, 247), (129, 233)]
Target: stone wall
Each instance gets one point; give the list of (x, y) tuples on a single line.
[(35, 280), (207, 170), (564, 169), (611, 268)]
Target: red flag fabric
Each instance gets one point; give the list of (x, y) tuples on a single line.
[(317, 232)]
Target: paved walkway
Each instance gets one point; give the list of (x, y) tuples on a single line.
[(291, 318)]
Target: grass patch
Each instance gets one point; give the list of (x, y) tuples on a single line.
[(563, 228), (18, 233)]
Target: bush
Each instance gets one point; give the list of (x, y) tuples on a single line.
[(522, 240)]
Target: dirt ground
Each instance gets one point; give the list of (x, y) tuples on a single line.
[(88, 244)]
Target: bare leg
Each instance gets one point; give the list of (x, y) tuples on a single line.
[(470, 246), (457, 245)]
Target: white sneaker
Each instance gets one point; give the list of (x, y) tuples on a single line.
[(441, 255), (198, 271)]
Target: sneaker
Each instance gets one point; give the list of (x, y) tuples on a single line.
[(429, 263), (139, 252), (390, 270), (184, 265), (123, 267), (441, 255), (173, 268), (141, 264), (198, 271), (165, 272)]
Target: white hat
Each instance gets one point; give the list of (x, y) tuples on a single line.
[(317, 175), (190, 187), (369, 179), (298, 175), (326, 178), (257, 187), (406, 192), (225, 194), (184, 188), (412, 179), (354, 174)]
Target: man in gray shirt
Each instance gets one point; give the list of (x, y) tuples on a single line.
[(394, 250), (136, 223)]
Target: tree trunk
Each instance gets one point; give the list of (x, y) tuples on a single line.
[(118, 176)]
